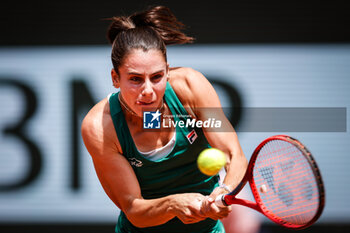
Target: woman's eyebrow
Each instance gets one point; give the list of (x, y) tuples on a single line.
[(135, 73)]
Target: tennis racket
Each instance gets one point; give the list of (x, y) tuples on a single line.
[(285, 181)]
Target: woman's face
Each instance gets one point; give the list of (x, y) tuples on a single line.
[(142, 79)]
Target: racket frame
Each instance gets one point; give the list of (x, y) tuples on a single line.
[(230, 198)]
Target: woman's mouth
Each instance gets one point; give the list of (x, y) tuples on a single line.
[(144, 103)]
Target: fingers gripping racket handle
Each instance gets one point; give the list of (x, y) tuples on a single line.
[(220, 201), (224, 200)]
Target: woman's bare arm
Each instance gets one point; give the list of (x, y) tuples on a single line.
[(199, 95)]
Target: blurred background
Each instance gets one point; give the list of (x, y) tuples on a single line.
[(55, 64)]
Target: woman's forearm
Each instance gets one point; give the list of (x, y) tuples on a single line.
[(235, 172), (147, 213), (153, 212), (236, 166)]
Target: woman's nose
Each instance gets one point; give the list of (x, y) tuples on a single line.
[(147, 90)]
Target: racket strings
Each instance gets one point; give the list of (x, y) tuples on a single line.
[(290, 192)]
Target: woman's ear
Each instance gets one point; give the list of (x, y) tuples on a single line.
[(115, 78)]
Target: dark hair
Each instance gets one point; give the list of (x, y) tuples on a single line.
[(150, 29)]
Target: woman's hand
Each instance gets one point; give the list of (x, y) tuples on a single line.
[(211, 210), (187, 207)]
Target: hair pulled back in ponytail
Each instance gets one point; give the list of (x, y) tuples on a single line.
[(150, 29), (118, 25)]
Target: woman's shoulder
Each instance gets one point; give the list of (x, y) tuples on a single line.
[(96, 114), (186, 74), (185, 82), (97, 128)]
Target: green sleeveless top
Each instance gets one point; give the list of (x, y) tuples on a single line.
[(175, 173)]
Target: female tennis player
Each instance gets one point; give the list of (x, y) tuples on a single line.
[(152, 175)]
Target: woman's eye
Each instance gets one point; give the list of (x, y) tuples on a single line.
[(157, 77), (135, 79)]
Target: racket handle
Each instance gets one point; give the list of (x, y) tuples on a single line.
[(220, 201)]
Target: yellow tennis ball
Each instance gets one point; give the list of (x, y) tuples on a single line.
[(210, 161)]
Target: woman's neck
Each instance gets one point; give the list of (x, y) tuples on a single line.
[(132, 117)]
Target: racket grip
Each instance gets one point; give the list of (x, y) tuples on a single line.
[(220, 201)]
